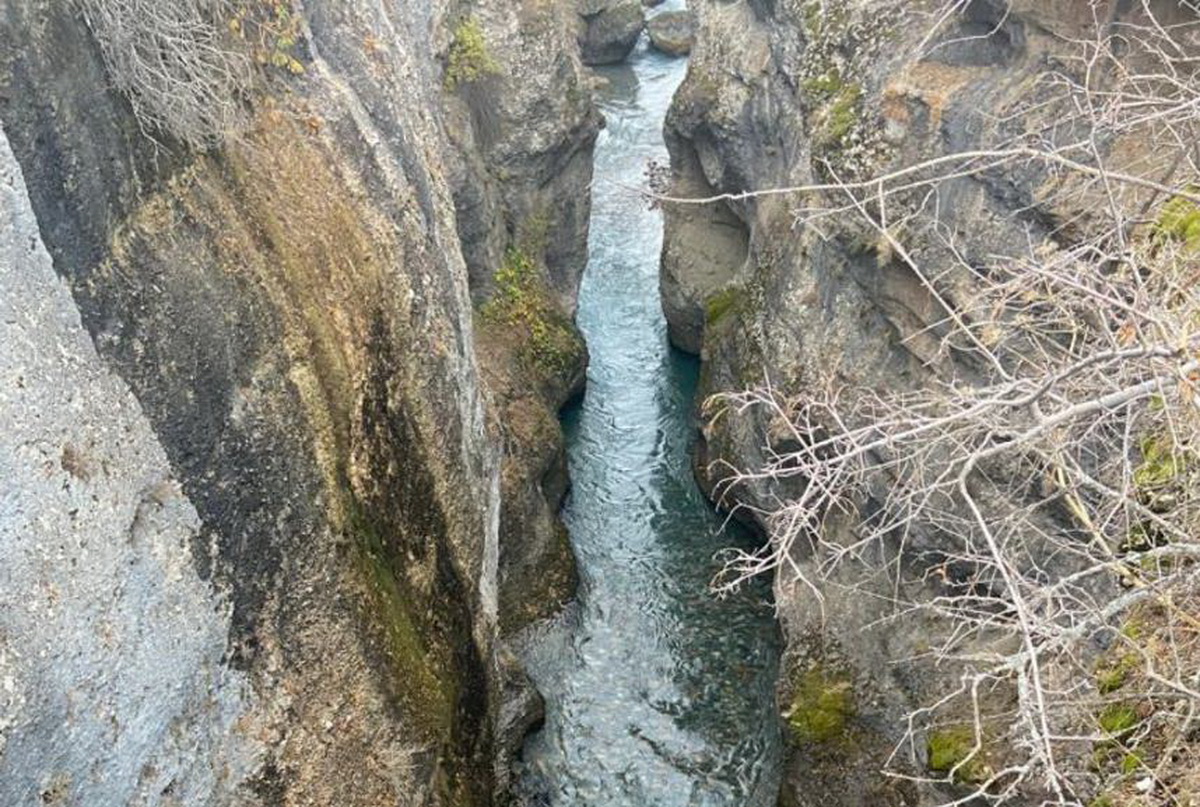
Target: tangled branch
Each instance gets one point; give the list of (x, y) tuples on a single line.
[(173, 61), (1045, 489)]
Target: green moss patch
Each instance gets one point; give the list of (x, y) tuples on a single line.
[(1161, 464), (824, 87), (469, 59), (416, 686), (721, 303), (1132, 762), (824, 19), (952, 751), (1180, 220), (841, 115), (551, 344), (1117, 719), (1113, 674), (822, 707)]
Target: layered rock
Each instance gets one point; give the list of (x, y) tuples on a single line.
[(798, 94), (260, 506)]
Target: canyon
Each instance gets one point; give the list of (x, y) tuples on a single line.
[(361, 369)]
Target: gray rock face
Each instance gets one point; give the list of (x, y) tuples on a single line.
[(705, 249), (672, 32), (609, 30), (759, 296), (113, 682), (305, 483), (521, 167)]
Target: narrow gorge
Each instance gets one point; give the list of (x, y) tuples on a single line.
[(557, 403), (657, 692)]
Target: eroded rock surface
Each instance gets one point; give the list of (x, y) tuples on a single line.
[(277, 460), (609, 29), (793, 94), (672, 32), (96, 541), (521, 168)]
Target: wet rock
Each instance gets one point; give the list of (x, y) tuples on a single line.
[(522, 710), (609, 30), (672, 32)]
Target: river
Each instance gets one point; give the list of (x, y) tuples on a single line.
[(657, 693)]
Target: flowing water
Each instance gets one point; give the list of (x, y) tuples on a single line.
[(657, 694)]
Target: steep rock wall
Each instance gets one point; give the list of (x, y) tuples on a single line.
[(522, 133), (784, 94), (305, 484)]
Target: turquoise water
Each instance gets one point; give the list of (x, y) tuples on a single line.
[(657, 693)]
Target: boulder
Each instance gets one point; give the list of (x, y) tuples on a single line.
[(672, 32), (610, 29)]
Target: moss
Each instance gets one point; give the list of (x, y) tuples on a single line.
[(1102, 800), (840, 116), (813, 19), (1117, 719), (823, 87), (1161, 464), (469, 59), (551, 345), (1133, 629), (822, 706), (953, 750), (1131, 762), (1113, 675), (1180, 219), (417, 689), (824, 18), (721, 303)]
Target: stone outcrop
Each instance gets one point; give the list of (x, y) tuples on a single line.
[(252, 537), (96, 542), (521, 166), (609, 29), (782, 95)]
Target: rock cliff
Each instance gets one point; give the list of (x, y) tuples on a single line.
[(786, 94), (252, 544), (521, 165)]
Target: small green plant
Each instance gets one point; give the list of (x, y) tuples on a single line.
[(469, 59), (840, 116), (1113, 675), (1161, 464), (721, 303), (824, 86), (551, 345), (1132, 762), (1133, 629), (822, 705), (953, 750), (1117, 719), (1180, 219), (1103, 800), (824, 18)]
